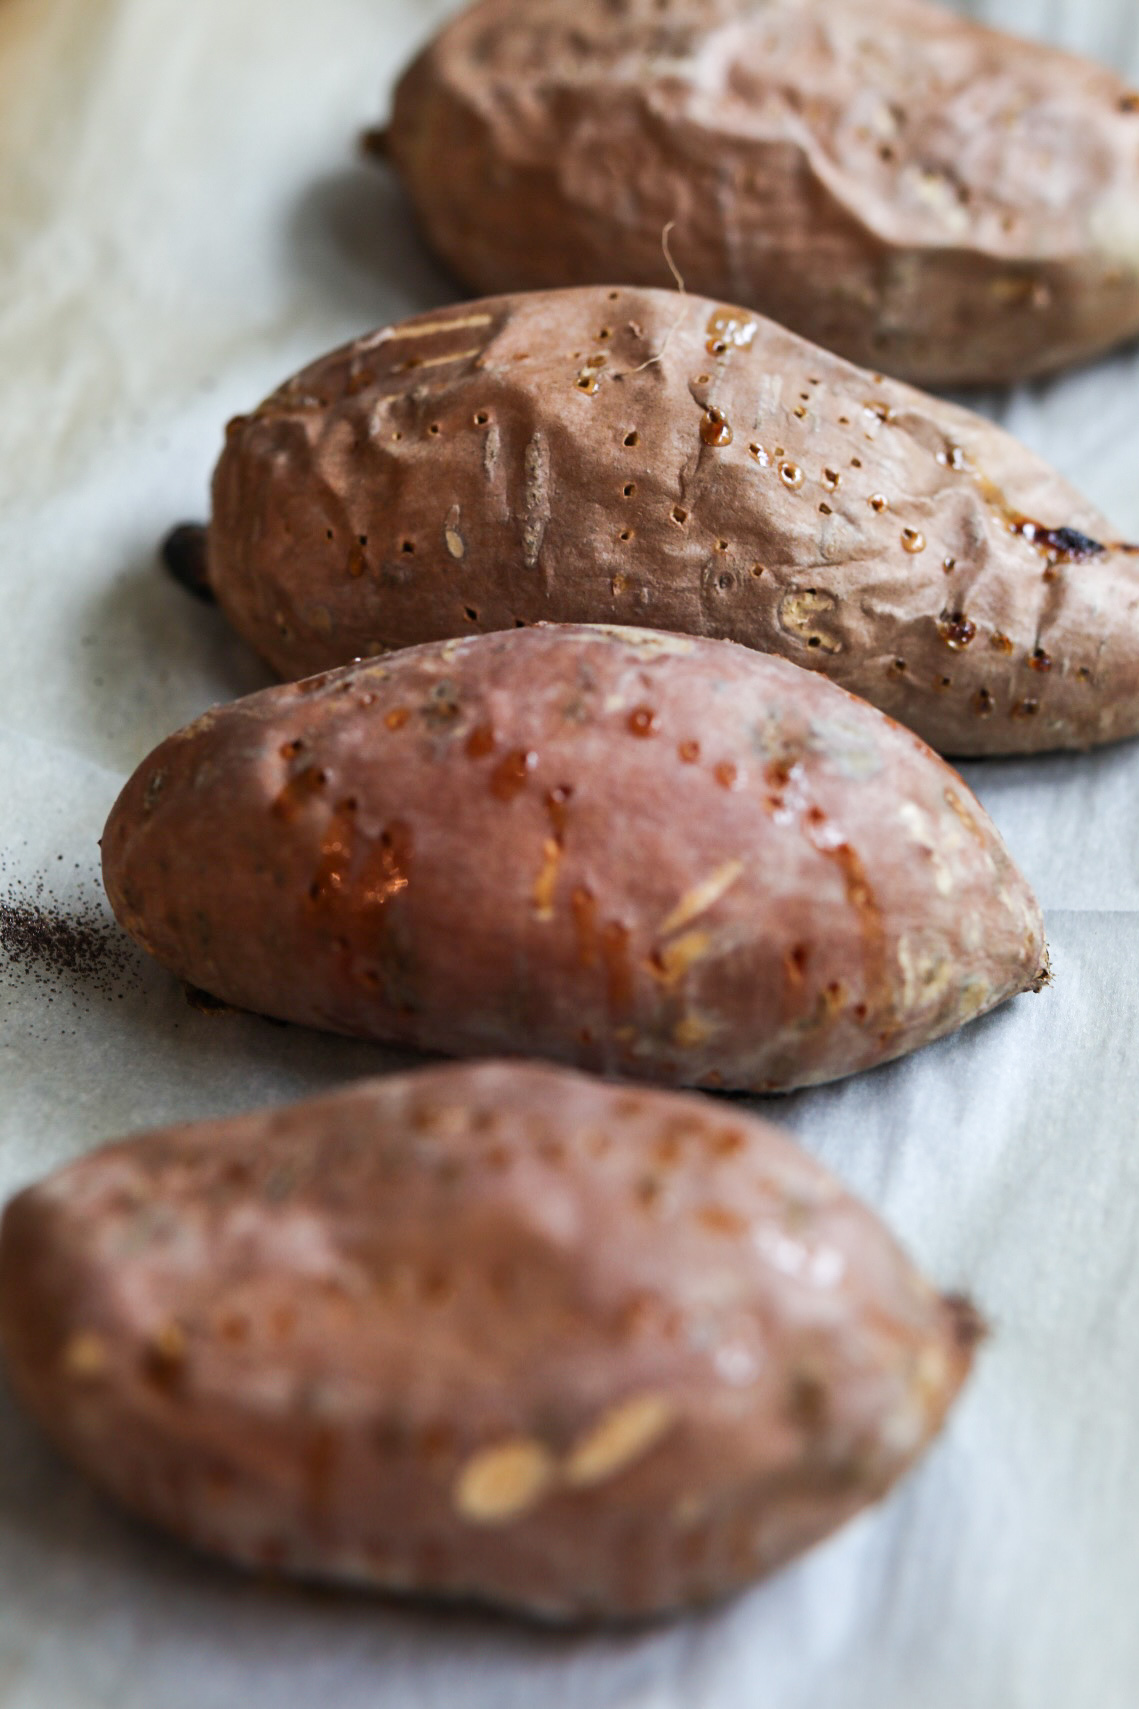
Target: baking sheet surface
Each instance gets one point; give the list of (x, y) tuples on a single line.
[(182, 223)]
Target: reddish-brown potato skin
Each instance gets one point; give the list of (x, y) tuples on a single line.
[(637, 853), (625, 456), (294, 1337), (922, 194)]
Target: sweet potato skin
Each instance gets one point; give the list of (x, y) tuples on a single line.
[(627, 456), (896, 182), (494, 1331), (642, 854)]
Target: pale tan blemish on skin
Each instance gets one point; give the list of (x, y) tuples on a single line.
[(798, 614), (623, 1436), (703, 896), (645, 641), (445, 361), (491, 446), (85, 1356), (169, 1342), (734, 328), (547, 881), (536, 500), (503, 1483), (954, 802), (452, 535), (691, 1032), (425, 329), (921, 831), (672, 963), (925, 979), (932, 1378)]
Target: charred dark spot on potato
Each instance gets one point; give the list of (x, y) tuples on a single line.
[(1067, 543), (1039, 660), (185, 553), (983, 704)]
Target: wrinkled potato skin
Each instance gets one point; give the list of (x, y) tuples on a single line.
[(922, 194), (526, 459), (293, 1338), (636, 853)]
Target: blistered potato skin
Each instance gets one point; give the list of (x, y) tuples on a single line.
[(637, 853), (497, 1332), (627, 456), (922, 194)]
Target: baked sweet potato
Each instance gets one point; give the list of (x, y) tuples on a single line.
[(644, 854), (628, 456), (496, 1332), (891, 179)]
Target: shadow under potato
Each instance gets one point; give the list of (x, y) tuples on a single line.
[(52, 1515), (354, 238), (149, 659)]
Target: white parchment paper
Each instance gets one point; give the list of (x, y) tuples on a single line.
[(182, 223)]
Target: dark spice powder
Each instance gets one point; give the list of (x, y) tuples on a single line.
[(64, 948)]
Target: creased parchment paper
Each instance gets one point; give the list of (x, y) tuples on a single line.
[(182, 223)]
